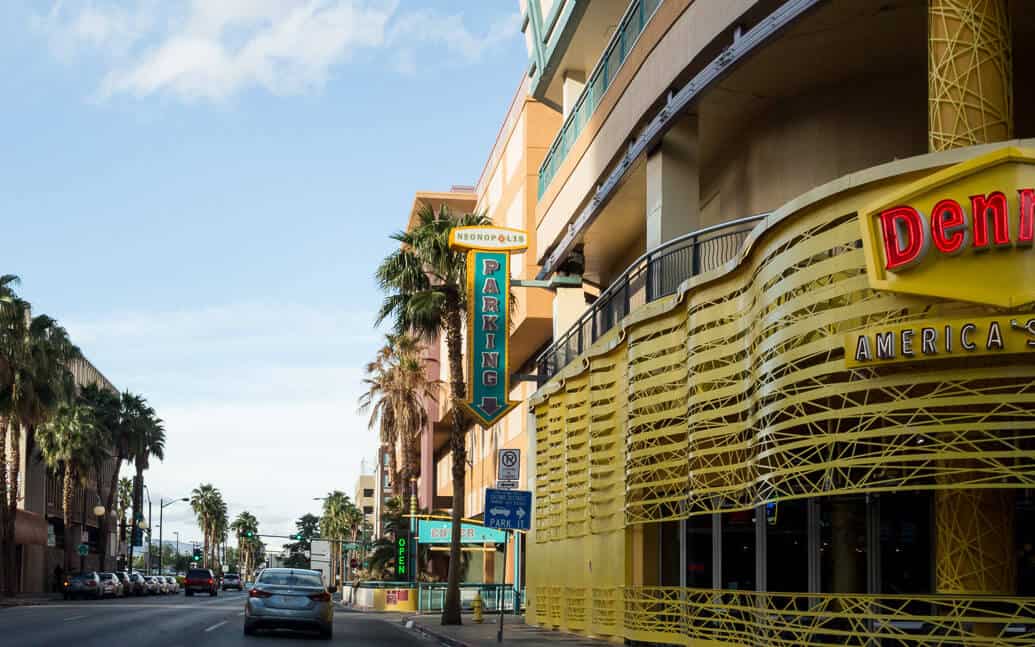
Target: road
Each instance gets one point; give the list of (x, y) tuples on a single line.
[(178, 621)]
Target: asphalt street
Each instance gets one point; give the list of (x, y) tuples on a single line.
[(178, 621)]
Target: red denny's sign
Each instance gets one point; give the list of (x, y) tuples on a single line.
[(964, 233)]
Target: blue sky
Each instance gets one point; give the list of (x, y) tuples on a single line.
[(200, 191)]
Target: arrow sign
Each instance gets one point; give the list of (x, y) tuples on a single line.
[(488, 317)]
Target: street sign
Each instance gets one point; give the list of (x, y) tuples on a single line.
[(430, 531), (506, 485), (508, 465), (508, 509), (488, 317), (83, 550)]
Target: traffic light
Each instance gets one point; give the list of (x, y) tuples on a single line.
[(249, 534), (297, 536), (197, 555)]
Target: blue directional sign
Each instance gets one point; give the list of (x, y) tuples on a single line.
[(508, 509)]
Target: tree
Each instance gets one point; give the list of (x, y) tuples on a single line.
[(71, 443), (397, 390), (145, 439), (333, 525), (246, 528), (425, 285), (110, 414), (211, 513), (307, 528), (34, 380)]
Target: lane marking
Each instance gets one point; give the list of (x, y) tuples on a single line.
[(241, 613), (74, 618), (215, 626)]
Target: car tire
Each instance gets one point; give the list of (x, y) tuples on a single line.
[(326, 633), (249, 628), (189, 594), (213, 594)]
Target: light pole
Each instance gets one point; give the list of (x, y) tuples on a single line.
[(177, 533), (162, 505)]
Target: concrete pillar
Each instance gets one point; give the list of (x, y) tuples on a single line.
[(489, 564), (970, 97), (568, 306), (970, 101), (673, 188), (571, 90)]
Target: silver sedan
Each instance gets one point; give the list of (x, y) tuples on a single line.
[(290, 598)]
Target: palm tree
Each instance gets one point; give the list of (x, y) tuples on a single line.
[(425, 283), (145, 438), (332, 525), (246, 528), (397, 390), (113, 414), (36, 354), (203, 502), (71, 443)]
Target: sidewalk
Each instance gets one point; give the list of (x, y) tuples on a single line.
[(515, 632), (29, 599)]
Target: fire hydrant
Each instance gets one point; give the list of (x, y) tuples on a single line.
[(476, 607)]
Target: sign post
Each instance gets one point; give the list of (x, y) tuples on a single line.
[(508, 510), (488, 317)]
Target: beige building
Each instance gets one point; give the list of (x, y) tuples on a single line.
[(365, 495)]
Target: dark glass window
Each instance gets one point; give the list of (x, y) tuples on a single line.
[(842, 545), (787, 547), (669, 553), (1024, 527), (905, 543), (699, 552), (738, 550), (368, 492)]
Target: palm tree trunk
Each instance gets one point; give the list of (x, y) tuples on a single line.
[(6, 532), (138, 503), (12, 468), (66, 515), (109, 504), (451, 605)]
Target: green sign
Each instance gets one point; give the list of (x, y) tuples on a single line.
[(488, 317), (83, 550), (400, 558), (430, 531)]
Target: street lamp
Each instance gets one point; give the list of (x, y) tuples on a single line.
[(162, 505), (147, 491)]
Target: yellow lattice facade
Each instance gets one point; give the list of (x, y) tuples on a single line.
[(970, 99), (734, 393)]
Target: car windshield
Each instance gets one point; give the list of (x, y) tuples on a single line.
[(289, 578), (107, 576)]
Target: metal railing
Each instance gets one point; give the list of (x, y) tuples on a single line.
[(431, 596), (655, 275), (629, 29)]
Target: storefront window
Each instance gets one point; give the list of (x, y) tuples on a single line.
[(905, 543), (738, 550), (1024, 527), (842, 545), (699, 552), (787, 547), (669, 553)]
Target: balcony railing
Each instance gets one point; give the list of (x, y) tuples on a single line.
[(656, 274), (629, 29)]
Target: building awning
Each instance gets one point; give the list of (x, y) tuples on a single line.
[(30, 528)]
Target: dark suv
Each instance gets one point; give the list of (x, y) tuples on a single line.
[(232, 581), (200, 580)]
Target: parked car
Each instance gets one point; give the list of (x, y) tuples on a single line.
[(83, 585), (139, 585), (290, 598), (127, 583), (110, 585), (200, 580), (174, 586), (151, 586), (232, 581)]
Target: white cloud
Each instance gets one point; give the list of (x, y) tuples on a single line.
[(257, 398), (212, 50)]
